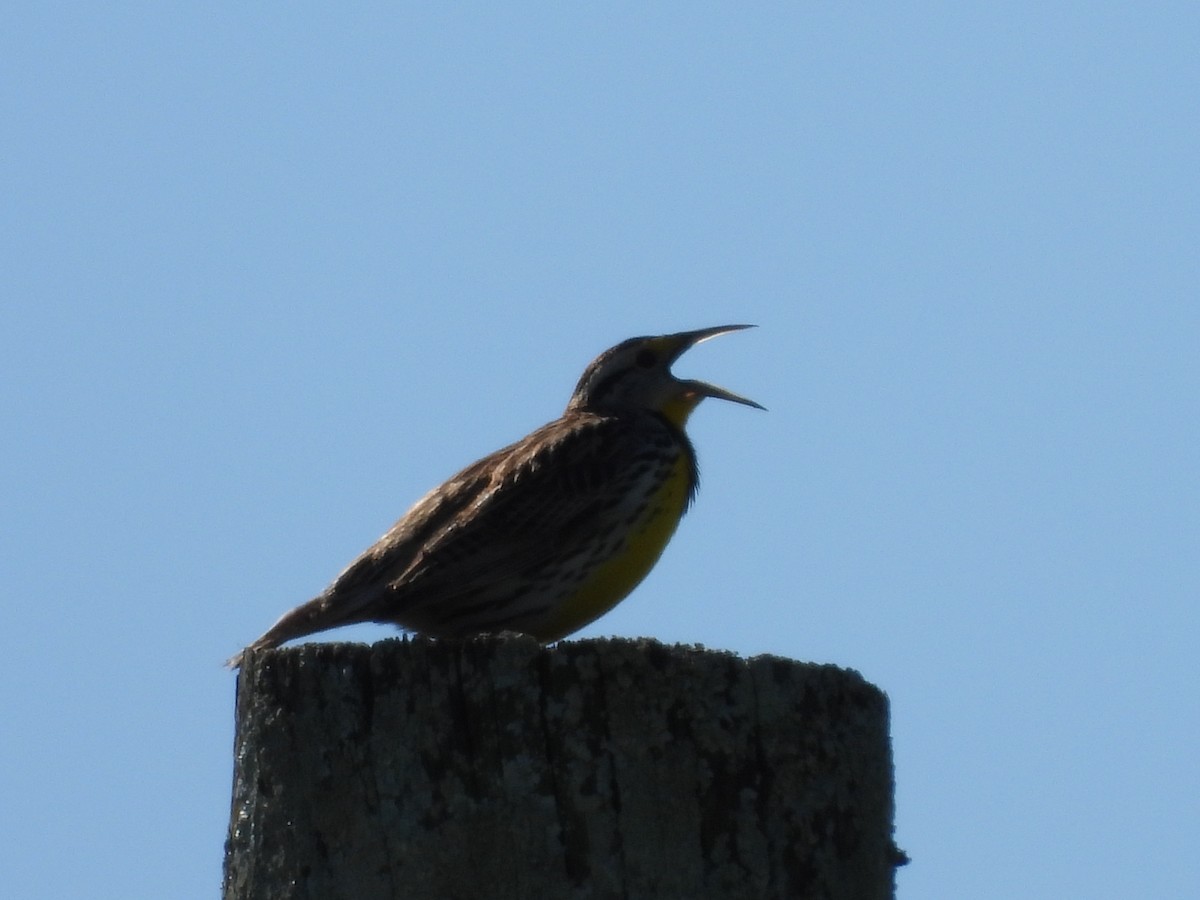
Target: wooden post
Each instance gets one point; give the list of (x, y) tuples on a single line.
[(497, 768)]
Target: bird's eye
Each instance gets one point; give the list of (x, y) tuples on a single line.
[(646, 358)]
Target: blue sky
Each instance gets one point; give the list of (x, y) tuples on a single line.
[(268, 276)]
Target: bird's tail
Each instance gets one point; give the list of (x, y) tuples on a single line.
[(317, 614)]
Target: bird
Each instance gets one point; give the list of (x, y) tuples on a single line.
[(543, 536)]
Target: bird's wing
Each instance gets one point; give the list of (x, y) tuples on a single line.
[(545, 500)]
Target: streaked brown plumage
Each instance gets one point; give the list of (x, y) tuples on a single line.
[(547, 534)]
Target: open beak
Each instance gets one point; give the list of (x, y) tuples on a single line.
[(675, 345)]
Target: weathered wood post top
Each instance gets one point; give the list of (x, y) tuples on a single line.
[(498, 768)]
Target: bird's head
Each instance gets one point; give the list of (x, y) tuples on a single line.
[(636, 374)]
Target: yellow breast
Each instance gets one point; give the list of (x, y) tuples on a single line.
[(612, 579)]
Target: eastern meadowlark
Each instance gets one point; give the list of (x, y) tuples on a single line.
[(547, 534)]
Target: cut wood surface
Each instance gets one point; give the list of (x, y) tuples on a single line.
[(498, 768)]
